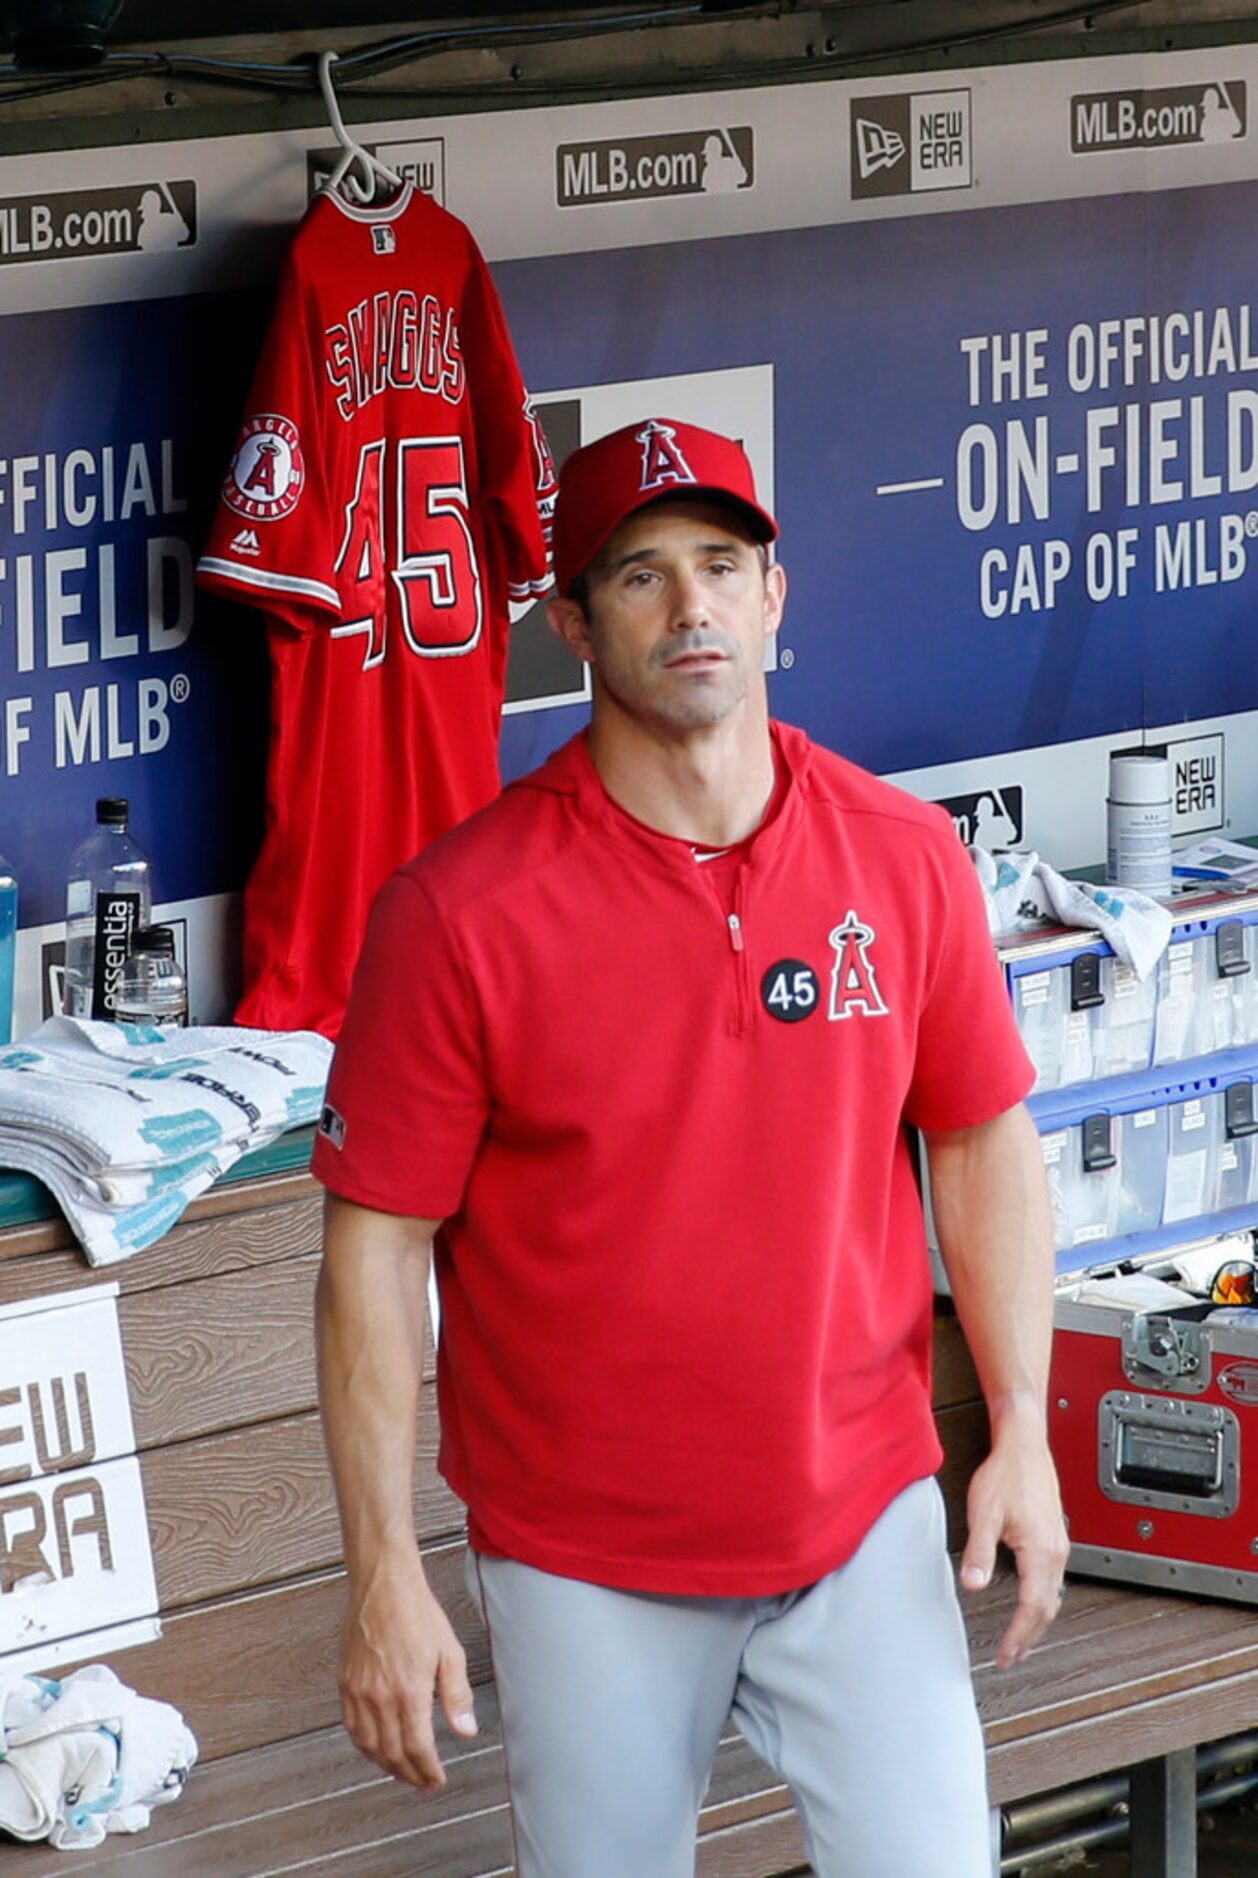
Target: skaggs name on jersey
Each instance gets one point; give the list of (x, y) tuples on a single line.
[(397, 340)]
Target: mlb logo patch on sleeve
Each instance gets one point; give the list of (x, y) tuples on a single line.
[(332, 1125)]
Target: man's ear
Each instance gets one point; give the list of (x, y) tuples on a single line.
[(774, 595), (567, 618)]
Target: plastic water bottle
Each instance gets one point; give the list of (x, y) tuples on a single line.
[(152, 989), (108, 894), (8, 947)]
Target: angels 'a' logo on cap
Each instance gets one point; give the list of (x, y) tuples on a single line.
[(663, 460)]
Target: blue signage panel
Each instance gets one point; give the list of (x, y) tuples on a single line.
[(117, 423), (1016, 465), (1016, 456)]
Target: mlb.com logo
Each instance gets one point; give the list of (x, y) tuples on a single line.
[(718, 161), (910, 142)]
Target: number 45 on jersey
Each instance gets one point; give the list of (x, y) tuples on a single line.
[(434, 570)]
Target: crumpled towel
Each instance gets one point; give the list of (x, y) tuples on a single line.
[(1023, 892), (85, 1756), (126, 1125)]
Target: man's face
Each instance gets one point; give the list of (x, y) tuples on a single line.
[(680, 604)]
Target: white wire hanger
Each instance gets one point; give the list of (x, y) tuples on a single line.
[(355, 157)]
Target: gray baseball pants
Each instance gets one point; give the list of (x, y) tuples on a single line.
[(856, 1690)]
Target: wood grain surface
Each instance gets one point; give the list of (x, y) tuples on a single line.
[(220, 1352), (255, 1506), (195, 1248), (261, 1666)]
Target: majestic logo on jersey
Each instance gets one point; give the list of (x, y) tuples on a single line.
[(853, 981), (662, 459), (267, 474), (246, 542)]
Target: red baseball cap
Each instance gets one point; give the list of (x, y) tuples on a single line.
[(603, 484)]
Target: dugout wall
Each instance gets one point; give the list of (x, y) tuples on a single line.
[(987, 332)]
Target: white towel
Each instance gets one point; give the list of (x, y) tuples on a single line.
[(1023, 892), (126, 1125), (86, 1756)]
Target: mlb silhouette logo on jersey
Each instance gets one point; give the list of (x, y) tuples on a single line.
[(267, 473)]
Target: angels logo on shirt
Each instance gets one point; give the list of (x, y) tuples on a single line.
[(267, 473), (853, 981)]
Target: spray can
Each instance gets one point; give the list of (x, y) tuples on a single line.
[(1138, 819)]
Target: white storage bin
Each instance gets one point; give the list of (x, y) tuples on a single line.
[(1194, 1138), (1085, 1202), (1040, 1008), (1122, 1038), (1181, 1002), (1141, 1139), (1207, 997)]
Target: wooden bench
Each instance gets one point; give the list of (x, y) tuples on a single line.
[(216, 1327), (1126, 1676)]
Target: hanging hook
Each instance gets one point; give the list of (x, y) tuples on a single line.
[(354, 155)]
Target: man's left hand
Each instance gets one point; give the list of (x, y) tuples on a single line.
[(1014, 1498)]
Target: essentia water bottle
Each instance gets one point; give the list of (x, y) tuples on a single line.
[(108, 894)]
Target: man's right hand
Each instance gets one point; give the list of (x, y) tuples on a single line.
[(399, 1655)]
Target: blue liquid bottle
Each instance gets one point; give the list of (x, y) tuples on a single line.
[(8, 947)]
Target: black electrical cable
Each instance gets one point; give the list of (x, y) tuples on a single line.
[(841, 59), (377, 60), (299, 74)]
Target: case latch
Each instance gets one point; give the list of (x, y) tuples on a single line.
[(1175, 1351), (1230, 956), (1098, 1151), (1238, 1111), (1085, 981)]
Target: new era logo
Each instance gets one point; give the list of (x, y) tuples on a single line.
[(876, 147), (246, 542), (908, 142)]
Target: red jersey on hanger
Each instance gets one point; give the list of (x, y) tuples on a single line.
[(389, 498)]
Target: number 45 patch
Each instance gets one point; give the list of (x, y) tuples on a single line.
[(789, 991)]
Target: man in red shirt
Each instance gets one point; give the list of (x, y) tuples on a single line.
[(631, 1053)]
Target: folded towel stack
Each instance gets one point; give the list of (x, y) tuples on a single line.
[(125, 1125), (85, 1755)]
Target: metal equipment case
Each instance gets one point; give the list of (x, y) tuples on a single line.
[(1148, 1115), (1153, 1419)]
